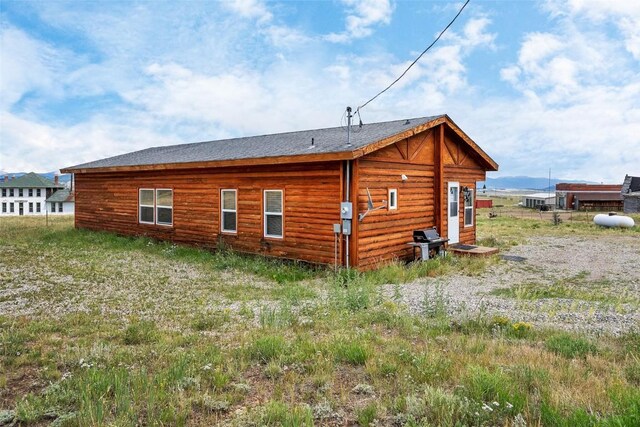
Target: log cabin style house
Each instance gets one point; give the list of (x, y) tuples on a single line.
[(299, 195)]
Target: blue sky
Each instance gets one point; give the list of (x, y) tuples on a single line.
[(539, 85)]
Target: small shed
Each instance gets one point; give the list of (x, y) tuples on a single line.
[(536, 200), (631, 194), (305, 195)]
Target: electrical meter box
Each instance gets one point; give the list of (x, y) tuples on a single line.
[(346, 210), (346, 227)]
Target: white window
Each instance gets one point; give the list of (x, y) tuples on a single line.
[(30, 207), (11, 208), (38, 192), (229, 208), (11, 192), (53, 207), (20, 193), (393, 199), (468, 208), (4, 192), (31, 192), (164, 206), (146, 204), (273, 213), (4, 207), (60, 205), (37, 206)]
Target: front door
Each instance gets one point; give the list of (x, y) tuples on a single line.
[(453, 210), (21, 208)]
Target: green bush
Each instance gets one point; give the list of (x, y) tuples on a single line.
[(140, 332), (351, 352), (567, 346)]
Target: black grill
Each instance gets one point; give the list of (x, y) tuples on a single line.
[(428, 240), (425, 236)]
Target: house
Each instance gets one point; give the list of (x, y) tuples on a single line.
[(26, 194), (631, 194), (302, 195), (61, 202), (589, 196), (537, 200)]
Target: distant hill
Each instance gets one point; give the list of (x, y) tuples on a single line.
[(64, 178), (525, 183)]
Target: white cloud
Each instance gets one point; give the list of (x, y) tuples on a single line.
[(254, 9), (362, 16)]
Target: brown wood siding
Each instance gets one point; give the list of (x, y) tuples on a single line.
[(311, 192), (383, 234)]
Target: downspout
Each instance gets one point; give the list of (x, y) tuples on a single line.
[(348, 183)]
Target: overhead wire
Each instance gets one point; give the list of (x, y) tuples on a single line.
[(414, 61)]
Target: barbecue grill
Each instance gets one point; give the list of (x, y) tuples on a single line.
[(428, 240)]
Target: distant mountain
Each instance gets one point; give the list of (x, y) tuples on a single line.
[(64, 178), (525, 183)]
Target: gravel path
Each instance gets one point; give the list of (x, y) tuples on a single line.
[(604, 271)]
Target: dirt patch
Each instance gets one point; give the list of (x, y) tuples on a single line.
[(590, 284)]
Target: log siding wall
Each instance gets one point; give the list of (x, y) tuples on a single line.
[(383, 234), (312, 195)]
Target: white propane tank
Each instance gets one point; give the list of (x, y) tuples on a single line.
[(613, 220)]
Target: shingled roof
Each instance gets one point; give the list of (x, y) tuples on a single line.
[(307, 145), (30, 180), (64, 195)]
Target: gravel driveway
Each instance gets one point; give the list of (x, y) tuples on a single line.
[(602, 274)]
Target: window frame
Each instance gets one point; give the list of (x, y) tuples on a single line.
[(392, 206), (4, 207), (163, 224), (266, 213), (37, 207), (224, 210), (38, 192), (4, 192), (30, 207), (12, 208), (140, 206), (20, 192), (30, 192), (11, 192), (471, 207)]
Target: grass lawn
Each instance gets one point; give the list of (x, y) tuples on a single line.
[(97, 329)]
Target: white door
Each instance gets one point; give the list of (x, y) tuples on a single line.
[(453, 223)]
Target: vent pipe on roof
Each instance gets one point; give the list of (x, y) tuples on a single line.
[(349, 116)]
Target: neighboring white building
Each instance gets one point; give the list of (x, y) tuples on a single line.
[(26, 194), (61, 202), (536, 200)]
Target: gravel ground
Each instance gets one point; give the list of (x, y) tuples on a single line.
[(608, 266)]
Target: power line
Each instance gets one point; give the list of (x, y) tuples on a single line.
[(415, 60)]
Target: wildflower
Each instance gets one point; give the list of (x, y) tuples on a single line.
[(207, 367), (487, 407), (509, 405), (496, 404)]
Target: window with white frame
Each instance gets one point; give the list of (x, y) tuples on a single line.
[(30, 207), (60, 207), (38, 193), (393, 199), (468, 208), (53, 207), (11, 208), (4, 192), (31, 192), (273, 220), (164, 206), (146, 205), (37, 206), (20, 193), (4, 207), (11, 192), (229, 208)]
